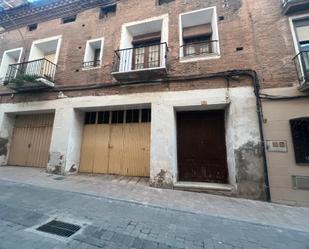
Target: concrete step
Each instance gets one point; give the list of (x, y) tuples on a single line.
[(204, 187)]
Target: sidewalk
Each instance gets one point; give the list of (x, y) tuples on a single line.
[(137, 190)]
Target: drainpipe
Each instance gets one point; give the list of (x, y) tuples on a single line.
[(256, 84)]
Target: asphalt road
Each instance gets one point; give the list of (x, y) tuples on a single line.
[(109, 223)]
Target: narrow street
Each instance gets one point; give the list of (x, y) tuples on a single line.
[(111, 223)]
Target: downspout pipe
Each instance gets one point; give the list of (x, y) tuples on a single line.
[(259, 110)]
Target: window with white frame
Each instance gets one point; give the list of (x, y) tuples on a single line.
[(47, 49), (143, 44), (199, 36), (43, 57), (12, 56), (93, 53), (302, 33), (301, 39)]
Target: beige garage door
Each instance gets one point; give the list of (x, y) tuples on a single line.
[(31, 140), (116, 142)]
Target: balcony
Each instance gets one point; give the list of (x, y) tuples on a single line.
[(140, 63), (201, 49), (292, 6), (91, 64), (31, 75), (301, 61)]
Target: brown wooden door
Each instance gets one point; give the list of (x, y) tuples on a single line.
[(116, 147), (201, 146), (31, 140)]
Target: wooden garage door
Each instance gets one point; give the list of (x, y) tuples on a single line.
[(201, 146), (31, 140), (116, 142)]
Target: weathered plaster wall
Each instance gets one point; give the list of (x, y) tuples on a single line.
[(246, 146), (245, 167), (66, 139), (6, 131)]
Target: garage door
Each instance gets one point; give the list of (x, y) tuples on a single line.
[(31, 140), (201, 146), (116, 142)]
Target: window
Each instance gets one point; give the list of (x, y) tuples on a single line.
[(302, 33), (143, 45), (132, 116), (93, 53), (301, 27), (32, 27), (118, 117), (9, 57), (103, 118), (90, 117), (107, 11), (199, 34), (68, 19), (300, 135), (43, 57), (46, 49), (199, 45), (160, 2), (146, 115), (146, 53)]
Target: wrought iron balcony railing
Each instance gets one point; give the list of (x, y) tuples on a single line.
[(91, 64), (31, 74), (301, 61), (140, 58), (291, 6), (203, 48)]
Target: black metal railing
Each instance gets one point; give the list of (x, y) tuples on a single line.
[(285, 2), (90, 64), (35, 69), (202, 48), (142, 57), (290, 6), (301, 61)]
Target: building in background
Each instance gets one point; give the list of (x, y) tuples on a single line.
[(172, 93), (282, 49)]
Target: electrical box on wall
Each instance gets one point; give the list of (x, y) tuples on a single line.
[(277, 146)]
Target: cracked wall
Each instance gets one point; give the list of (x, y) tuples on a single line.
[(249, 171)]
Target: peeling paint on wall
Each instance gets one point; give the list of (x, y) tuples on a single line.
[(163, 179), (249, 171), (56, 163)]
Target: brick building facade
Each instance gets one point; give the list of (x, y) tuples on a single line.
[(106, 67)]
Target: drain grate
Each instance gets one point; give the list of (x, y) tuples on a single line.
[(59, 228)]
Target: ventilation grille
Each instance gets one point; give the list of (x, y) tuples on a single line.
[(59, 228), (300, 182)]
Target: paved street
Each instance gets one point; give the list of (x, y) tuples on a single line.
[(123, 224)]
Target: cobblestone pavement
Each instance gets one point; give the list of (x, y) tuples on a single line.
[(122, 224)]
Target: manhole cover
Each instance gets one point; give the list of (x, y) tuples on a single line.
[(59, 228)]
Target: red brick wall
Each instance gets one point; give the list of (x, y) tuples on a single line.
[(257, 26)]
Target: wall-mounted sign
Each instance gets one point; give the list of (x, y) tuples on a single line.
[(277, 146)]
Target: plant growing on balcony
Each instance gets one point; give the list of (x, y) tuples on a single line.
[(22, 79)]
